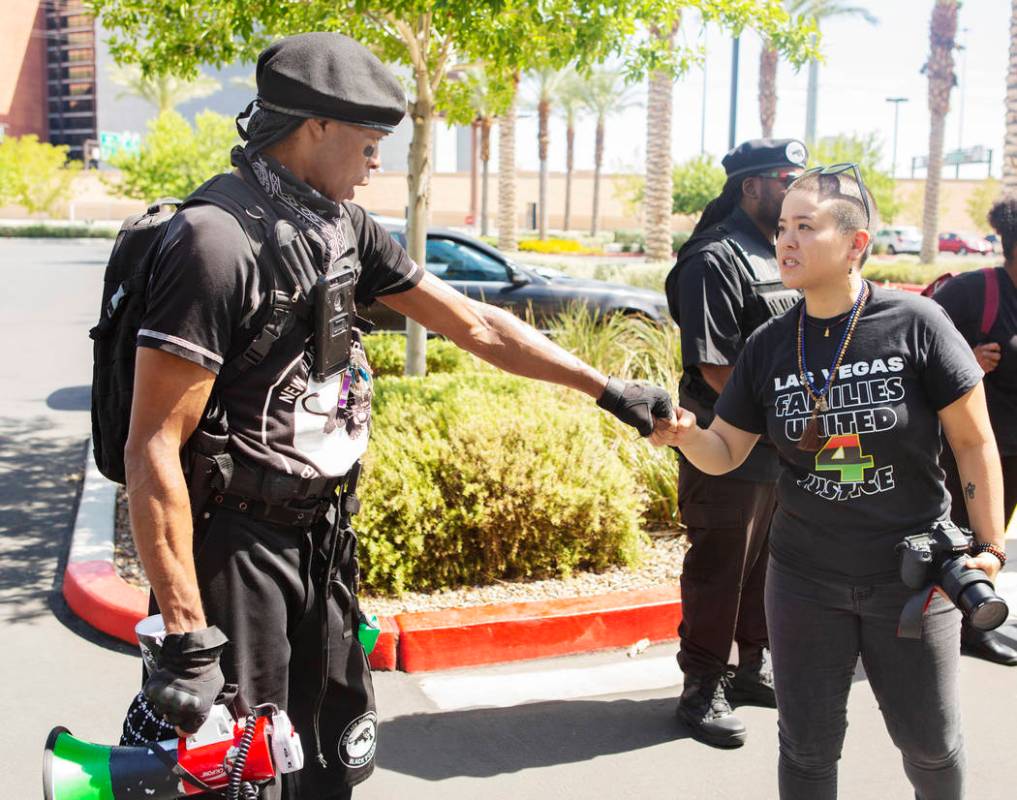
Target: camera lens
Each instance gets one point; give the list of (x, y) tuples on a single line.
[(972, 592)]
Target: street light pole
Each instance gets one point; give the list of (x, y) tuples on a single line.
[(734, 93), (896, 116)]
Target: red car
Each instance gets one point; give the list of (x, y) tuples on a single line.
[(962, 244)]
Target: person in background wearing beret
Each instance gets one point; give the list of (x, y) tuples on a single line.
[(724, 285), (260, 590)]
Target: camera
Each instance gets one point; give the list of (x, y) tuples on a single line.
[(937, 556)]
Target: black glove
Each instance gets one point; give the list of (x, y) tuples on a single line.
[(636, 404), (188, 679)]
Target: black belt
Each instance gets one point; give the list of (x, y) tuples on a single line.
[(301, 514), (272, 487)]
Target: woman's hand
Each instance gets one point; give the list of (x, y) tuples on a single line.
[(987, 355), (675, 431), (987, 563)]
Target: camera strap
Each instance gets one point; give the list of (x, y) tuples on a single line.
[(912, 617)]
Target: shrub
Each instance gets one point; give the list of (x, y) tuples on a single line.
[(386, 353), (553, 246), (695, 183), (55, 231), (476, 477), (678, 239), (35, 175), (630, 241)]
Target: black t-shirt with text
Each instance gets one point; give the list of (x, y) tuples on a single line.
[(208, 298), (963, 297), (876, 477)]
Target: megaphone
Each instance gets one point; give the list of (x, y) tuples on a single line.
[(222, 755)]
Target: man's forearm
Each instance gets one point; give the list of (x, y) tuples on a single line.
[(982, 486), (161, 524), (508, 343)]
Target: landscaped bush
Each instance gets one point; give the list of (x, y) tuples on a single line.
[(386, 353), (44, 230), (472, 478), (553, 246), (630, 241)]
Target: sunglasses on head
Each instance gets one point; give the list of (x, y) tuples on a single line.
[(838, 169)]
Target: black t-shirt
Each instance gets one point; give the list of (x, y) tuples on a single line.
[(712, 313), (963, 297), (207, 300), (876, 477)]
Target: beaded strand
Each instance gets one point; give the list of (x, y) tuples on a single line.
[(810, 436)]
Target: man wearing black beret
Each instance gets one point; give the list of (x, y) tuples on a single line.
[(724, 285), (251, 339)]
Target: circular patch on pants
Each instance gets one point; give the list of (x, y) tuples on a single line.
[(357, 744)]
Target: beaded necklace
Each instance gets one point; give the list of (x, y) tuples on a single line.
[(810, 436)]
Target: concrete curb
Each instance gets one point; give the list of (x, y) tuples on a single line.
[(413, 642)]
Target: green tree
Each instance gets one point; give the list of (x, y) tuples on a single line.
[(865, 151), (163, 91), (547, 84), (35, 175), (695, 183), (175, 159), (980, 201)]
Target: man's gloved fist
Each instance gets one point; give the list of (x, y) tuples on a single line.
[(636, 404), (188, 679)]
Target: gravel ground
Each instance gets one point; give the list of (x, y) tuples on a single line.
[(661, 564)]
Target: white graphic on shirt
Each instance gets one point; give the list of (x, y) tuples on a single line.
[(858, 405), (329, 438)]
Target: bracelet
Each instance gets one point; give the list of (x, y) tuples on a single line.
[(989, 548)]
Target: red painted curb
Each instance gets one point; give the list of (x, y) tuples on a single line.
[(103, 599), (462, 637), (385, 656)]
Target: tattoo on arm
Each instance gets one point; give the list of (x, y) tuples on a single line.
[(969, 490)]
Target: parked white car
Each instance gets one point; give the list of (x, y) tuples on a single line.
[(904, 239)]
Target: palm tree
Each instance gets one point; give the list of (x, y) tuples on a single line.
[(482, 102), (547, 83), (817, 10), (165, 92), (604, 92), (658, 199), (569, 102), (507, 176), (1010, 143), (939, 68)]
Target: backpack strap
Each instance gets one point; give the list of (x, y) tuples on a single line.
[(990, 306)]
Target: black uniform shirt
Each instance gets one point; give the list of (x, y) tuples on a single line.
[(963, 297), (712, 290), (876, 478), (207, 300)]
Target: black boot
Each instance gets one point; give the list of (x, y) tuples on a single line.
[(703, 707), (752, 684), (987, 645)]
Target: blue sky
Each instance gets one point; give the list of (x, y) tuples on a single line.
[(864, 65)]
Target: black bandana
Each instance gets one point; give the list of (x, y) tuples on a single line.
[(319, 219)]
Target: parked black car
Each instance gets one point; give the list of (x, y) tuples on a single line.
[(482, 272)]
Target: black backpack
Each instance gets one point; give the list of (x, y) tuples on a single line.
[(123, 307)]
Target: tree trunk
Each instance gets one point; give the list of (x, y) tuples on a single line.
[(570, 154), (418, 179), (485, 161), (543, 137), (659, 199), (942, 33), (767, 90), (598, 158), (1010, 142), (507, 179)]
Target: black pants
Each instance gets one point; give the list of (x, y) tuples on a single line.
[(724, 572), (262, 584)]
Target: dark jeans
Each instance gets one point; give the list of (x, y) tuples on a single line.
[(725, 568), (818, 629)]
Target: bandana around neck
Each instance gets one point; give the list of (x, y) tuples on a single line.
[(319, 219)]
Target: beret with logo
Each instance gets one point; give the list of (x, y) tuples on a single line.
[(330, 76), (759, 155)]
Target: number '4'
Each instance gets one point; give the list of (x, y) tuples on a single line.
[(844, 454)]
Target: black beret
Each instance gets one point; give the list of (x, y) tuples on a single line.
[(760, 155), (331, 76)]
